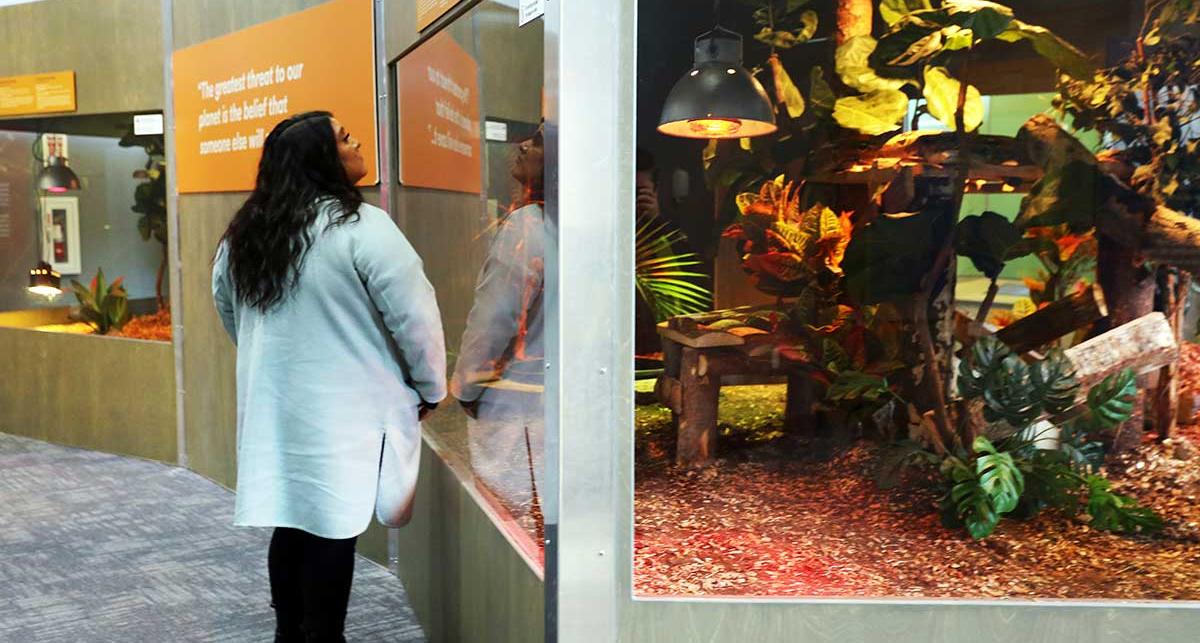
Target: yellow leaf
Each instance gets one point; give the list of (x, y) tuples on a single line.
[(710, 153), (786, 92), (853, 65), (941, 97), (745, 200), (1023, 307)]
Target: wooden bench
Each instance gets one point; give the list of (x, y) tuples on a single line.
[(697, 360)]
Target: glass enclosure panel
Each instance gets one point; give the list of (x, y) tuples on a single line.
[(103, 210), (471, 177), (926, 338)]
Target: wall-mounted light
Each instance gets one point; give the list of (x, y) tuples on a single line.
[(45, 281), (717, 98), (57, 177)]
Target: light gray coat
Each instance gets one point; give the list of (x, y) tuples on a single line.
[(323, 376)]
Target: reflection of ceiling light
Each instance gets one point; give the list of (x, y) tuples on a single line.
[(718, 98), (45, 281), (57, 177)]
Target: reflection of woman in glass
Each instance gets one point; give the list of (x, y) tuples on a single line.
[(339, 344), (498, 376)]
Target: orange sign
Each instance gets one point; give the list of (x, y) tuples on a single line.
[(439, 117), (430, 10), (37, 93), (230, 91)]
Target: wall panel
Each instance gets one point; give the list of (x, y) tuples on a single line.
[(116, 52), (104, 393)]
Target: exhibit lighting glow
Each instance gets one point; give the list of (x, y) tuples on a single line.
[(715, 127), (45, 281), (717, 98)]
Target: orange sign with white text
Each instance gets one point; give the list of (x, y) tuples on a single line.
[(37, 93), (430, 10), (230, 91), (439, 117)]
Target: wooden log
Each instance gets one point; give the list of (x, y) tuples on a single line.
[(1129, 291), (1166, 393), (854, 19), (1172, 238), (1059, 318), (698, 405), (1145, 344)]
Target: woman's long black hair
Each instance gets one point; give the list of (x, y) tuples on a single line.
[(271, 233)]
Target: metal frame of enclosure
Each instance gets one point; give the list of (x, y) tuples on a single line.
[(467, 579)]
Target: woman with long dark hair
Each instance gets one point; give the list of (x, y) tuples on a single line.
[(340, 353)]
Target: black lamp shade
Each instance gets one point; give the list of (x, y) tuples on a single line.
[(45, 281), (718, 98), (57, 177)]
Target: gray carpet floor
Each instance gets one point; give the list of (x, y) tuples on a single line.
[(98, 548)]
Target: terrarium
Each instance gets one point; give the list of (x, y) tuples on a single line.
[(929, 335)]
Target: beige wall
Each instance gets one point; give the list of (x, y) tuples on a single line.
[(103, 393), (465, 581), (116, 52), (99, 393)]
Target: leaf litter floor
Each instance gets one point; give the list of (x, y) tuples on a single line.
[(780, 517)]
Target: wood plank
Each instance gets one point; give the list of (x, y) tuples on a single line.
[(1144, 345), (709, 339), (1064, 316)]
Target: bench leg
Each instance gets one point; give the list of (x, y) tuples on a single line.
[(697, 419), (801, 396)]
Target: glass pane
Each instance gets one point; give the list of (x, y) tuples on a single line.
[(84, 205), (924, 339), (471, 185)]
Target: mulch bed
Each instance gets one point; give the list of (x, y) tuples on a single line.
[(786, 517), (155, 327)]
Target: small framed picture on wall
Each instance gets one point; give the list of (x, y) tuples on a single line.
[(60, 233)]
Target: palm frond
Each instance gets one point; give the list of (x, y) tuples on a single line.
[(662, 277)]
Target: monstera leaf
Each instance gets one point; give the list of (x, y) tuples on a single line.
[(1111, 401), (998, 475)]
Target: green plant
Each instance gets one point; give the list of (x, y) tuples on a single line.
[(102, 305), (150, 201), (1147, 107), (787, 250), (1011, 473), (666, 280), (796, 253)]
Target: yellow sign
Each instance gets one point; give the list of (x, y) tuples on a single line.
[(37, 93), (430, 10), (230, 91)]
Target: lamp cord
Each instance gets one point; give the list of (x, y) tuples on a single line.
[(39, 164)]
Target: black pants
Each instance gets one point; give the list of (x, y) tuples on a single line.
[(310, 585)]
